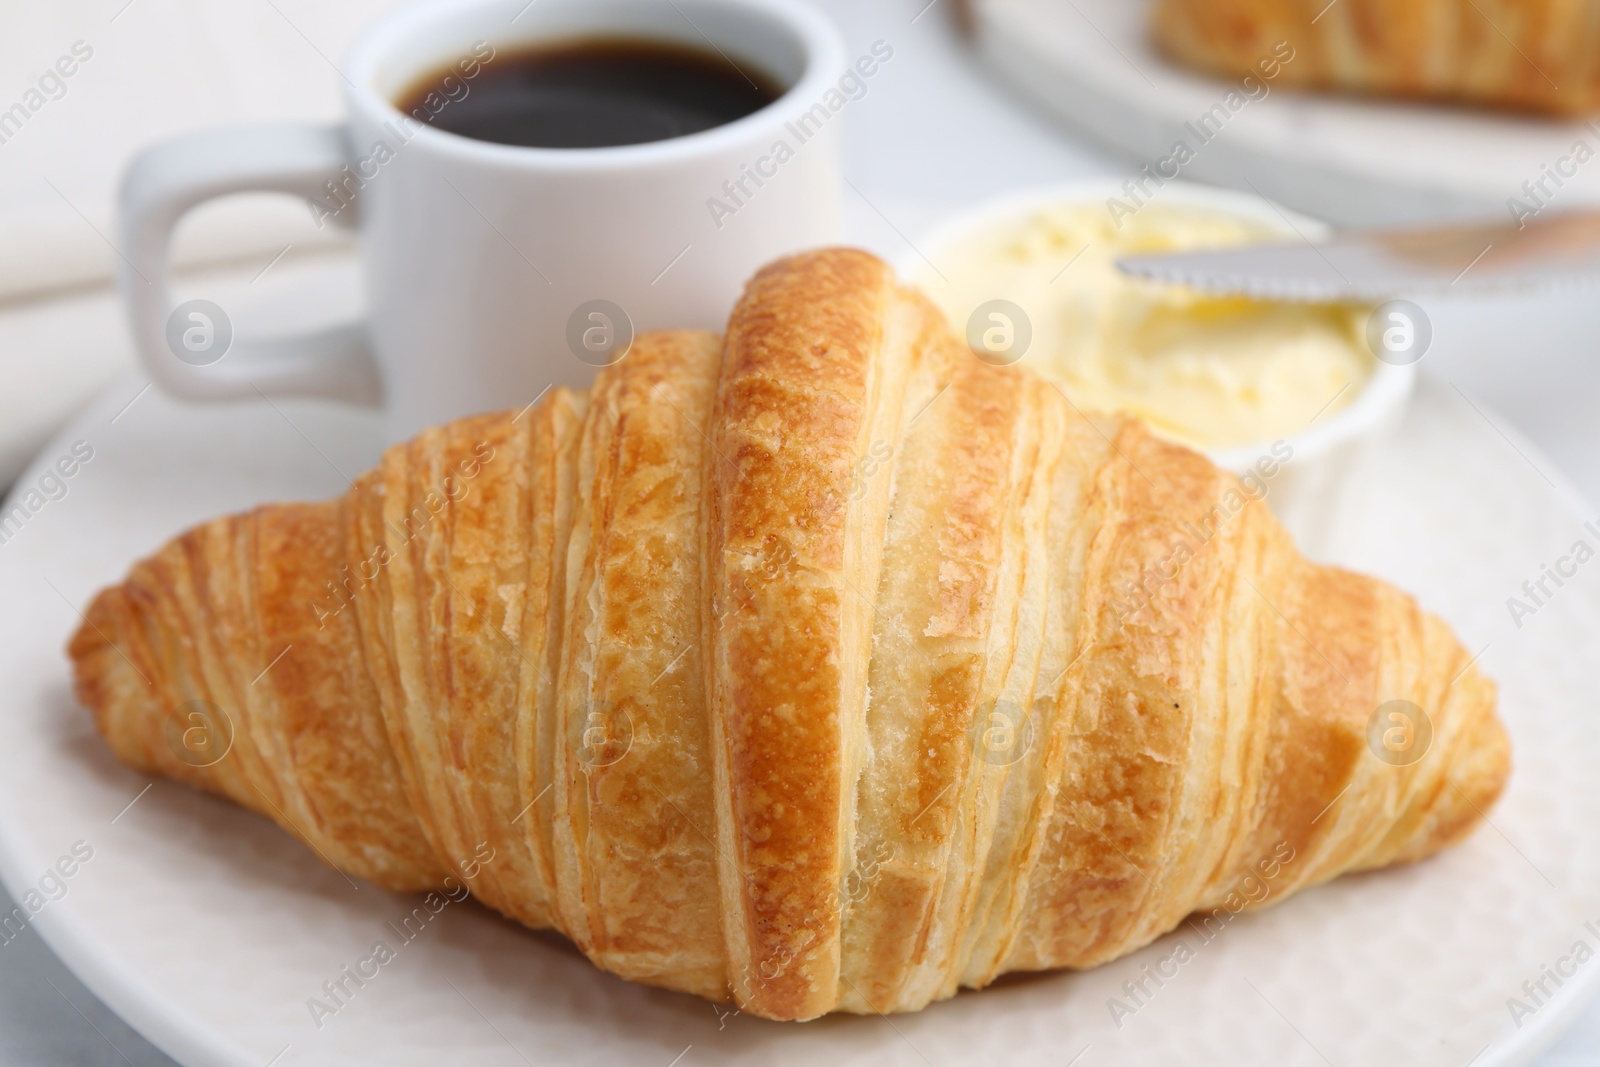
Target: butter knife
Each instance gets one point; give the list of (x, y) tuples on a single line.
[(1375, 265)]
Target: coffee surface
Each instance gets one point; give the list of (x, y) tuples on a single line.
[(593, 93)]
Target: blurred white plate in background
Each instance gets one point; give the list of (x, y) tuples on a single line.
[(1353, 162)]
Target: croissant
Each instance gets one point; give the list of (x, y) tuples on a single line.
[(1532, 55), (820, 667)]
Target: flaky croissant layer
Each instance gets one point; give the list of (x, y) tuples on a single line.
[(1531, 55), (820, 667)]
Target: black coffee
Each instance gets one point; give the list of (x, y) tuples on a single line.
[(591, 93)]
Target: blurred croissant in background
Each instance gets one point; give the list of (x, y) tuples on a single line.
[(1529, 55), (818, 667)]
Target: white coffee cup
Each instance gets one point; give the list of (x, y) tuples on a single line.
[(483, 259)]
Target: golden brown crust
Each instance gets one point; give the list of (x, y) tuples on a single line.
[(1531, 55), (637, 781), (798, 357), (821, 668)]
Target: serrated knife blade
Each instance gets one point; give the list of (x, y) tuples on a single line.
[(1376, 265)]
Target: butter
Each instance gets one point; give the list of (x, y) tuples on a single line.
[(1205, 371)]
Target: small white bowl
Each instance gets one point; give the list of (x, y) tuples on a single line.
[(1316, 492)]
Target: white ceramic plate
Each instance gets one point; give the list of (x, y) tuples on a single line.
[(1352, 162), (208, 928)]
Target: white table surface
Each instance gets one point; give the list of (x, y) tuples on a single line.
[(933, 134)]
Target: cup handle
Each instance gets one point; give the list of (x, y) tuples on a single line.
[(163, 183)]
